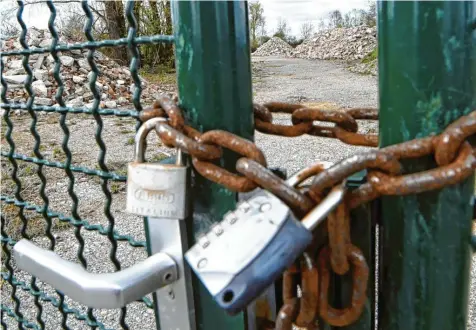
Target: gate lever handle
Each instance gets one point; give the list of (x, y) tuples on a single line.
[(109, 290)]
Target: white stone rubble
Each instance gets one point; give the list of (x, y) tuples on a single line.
[(348, 44), (274, 47), (39, 88), (112, 82)]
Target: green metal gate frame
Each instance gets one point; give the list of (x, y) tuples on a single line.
[(424, 247)]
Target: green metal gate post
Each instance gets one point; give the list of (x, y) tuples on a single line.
[(214, 82), (425, 83)]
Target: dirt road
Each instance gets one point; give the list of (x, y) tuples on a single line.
[(299, 80), (293, 80)]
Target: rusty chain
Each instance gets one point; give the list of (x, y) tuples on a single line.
[(454, 156)]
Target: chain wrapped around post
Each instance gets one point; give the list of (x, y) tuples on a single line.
[(454, 156)]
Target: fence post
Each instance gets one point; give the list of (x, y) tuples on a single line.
[(214, 84), (425, 83)]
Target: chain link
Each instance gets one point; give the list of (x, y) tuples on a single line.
[(360, 276), (453, 154)]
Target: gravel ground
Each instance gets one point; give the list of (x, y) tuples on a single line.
[(318, 82)]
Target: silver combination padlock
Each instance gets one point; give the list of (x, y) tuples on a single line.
[(246, 252), (153, 189)]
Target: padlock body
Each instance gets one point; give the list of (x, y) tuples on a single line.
[(157, 190), (257, 243)]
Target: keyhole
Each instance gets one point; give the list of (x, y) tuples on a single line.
[(228, 296)]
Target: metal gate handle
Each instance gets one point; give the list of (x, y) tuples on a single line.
[(110, 290)]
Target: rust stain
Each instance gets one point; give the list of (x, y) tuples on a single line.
[(356, 139), (363, 113), (151, 112), (338, 227), (433, 179), (411, 149), (262, 113), (221, 176), (365, 193), (321, 105), (235, 143), (309, 293), (283, 107), (173, 111), (342, 119), (282, 130), (345, 168), (173, 137), (360, 274), (306, 173), (289, 311), (298, 202), (453, 137)]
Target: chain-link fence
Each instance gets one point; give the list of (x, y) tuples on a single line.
[(53, 183)]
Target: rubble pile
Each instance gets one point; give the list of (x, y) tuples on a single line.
[(341, 43), (274, 47), (114, 83)]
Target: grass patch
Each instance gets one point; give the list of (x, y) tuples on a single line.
[(58, 154), (130, 141), (159, 75), (121, 171), (28, 170), (119, 168), (370, 57), (36, 224)]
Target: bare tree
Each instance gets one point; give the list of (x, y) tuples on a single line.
[(355, 17), (282, 30), (306, 30), (8, 24), (257, 22), (371, 14), (116, 26), (322, 25), (335, 19)]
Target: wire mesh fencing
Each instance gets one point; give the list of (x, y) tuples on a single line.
[(63, 176)]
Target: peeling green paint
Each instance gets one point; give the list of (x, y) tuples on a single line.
[(214, 84), (429, 115), (440, 14), (424, 237)]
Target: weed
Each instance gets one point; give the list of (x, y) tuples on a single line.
[(116, 187), (130, 141), (121, 171), (159, 75), (29, 170), (58, 154), (370, 57)]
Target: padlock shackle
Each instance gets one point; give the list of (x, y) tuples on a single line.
[(141, 137), (109, 290), (326, 206)]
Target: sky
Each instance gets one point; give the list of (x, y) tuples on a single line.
[(295, 12)]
